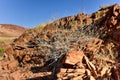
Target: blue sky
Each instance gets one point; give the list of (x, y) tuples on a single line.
[(30, 13)]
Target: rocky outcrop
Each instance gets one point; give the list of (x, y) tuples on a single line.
[(75, 47), (71, 22)]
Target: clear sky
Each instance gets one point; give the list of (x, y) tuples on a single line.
[(30, 13)]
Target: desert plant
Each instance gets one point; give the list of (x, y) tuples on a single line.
[(2, 50), (103, 6), (2, 42), (39, 27)]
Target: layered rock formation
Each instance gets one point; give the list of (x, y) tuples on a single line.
[(72, 48)]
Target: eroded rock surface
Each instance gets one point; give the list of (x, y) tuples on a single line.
[(72, 48)]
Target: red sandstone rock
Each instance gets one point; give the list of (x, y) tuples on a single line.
[(73, 57), (63, 70), (13, 64), (94, 45), (79, 70), (116, 10), (3, 78), (16, 75), (116, 36)]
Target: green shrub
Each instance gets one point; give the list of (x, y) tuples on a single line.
[(2, 50), (2, 42)]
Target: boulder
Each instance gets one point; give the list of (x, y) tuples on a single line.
[(73, 57)]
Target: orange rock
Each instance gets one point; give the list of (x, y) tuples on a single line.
[(79, 65), (77, 78), (94, 45), (16, 75), (13, 64), (113, 20), (9, 50), (3, 78), (73, 57), (61, 75), (70, 70), (118, 27), (88, 21), (116, 36), (115, 8), (80, 71), (116, 13), (63, 70)]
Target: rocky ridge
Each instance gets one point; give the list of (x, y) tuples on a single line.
[(72, 48)]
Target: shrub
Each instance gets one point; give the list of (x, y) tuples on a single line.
[(2, 42), (2, 50), (39, 27), (103, 6)]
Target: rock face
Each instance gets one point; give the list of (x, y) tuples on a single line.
[(72, 48)]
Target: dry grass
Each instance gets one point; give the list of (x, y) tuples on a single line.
[(39, 27), (6, 40), (3, 42)]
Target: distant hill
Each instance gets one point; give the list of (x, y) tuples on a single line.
[(10, 30)]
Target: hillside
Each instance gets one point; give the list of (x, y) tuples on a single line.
[(80, 47), (9, 32)]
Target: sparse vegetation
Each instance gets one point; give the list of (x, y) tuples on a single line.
[(39, 27), (2, 50), (6, 40), (103, 6), (97, 55), (2, 42)]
